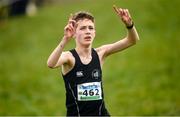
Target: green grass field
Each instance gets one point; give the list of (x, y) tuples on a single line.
[(142, 80)]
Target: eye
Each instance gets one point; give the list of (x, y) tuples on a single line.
[(82, 28), (91, 28)]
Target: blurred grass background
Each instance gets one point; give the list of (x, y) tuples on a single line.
[(142, 80)]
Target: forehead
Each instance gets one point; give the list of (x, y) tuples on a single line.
[(85, 22)]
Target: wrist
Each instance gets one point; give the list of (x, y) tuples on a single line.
[(65, 38), (130, 26), (64, 41)]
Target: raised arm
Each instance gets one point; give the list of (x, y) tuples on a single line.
[(129, 40), (58, 57)]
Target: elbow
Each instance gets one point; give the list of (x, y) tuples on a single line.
[(135, 40)]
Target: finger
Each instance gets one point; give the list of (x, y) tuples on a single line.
[(121, 11), (71, 27), (115, 9), (70, 17), (68, 28), (124, 12), (73, 22), (123, 19), (128, 13)]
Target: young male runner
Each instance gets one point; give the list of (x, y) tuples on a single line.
[(81, 67)]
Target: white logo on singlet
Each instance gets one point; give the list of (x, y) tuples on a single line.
[(95, 73), (79, 74)]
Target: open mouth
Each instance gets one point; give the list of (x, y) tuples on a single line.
[(87, 38)]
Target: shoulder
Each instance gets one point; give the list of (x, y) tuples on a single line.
[(101, 53), (70, 62), (68, 56), (101, 50)]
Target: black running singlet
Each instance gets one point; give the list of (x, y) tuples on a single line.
[(84, 90)]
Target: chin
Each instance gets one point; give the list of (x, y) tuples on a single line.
[(87, 44)]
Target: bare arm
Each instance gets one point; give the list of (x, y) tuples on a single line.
[(129, 40), (58, 57), (122, 44)]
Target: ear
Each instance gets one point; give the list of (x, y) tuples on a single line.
[(94, 33)]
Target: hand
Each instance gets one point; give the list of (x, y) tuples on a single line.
[(124, 15), (69, 29)]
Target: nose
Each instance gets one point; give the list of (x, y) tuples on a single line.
[(88, 31)]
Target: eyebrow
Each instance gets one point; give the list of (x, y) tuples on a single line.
[(86, 26)]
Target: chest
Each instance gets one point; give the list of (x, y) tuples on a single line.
[(90, 72), (85, 60)]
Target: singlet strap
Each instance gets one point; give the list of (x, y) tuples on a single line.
[(95, 56), (78, 61), (76, 56)]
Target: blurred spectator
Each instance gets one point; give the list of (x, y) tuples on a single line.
[(3, 12), (17, 7), (31, 8), (22, 7)]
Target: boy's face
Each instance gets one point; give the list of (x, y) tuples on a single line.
[(85, 32)]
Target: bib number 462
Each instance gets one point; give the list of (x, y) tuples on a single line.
[(91, 92)]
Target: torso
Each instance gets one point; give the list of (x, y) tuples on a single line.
[(83, 82)]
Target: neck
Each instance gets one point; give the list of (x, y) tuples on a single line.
[(84, 51)]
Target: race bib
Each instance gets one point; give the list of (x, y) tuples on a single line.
[(89, 91)]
